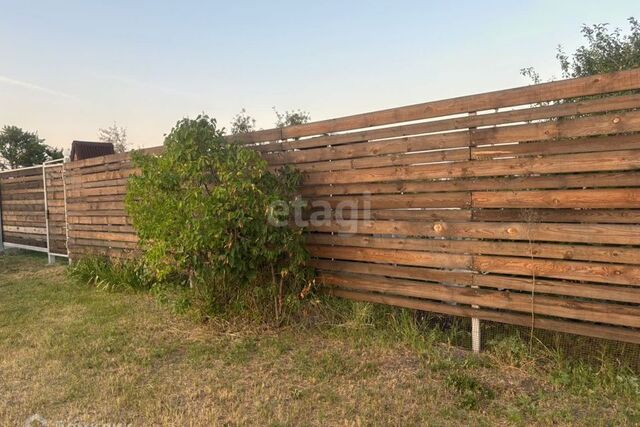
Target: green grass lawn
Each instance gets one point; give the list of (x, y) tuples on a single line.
[(73, 353)]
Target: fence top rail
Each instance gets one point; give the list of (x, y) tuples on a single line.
[(8, 171), (561, 89)]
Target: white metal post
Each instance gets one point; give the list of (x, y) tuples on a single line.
[(50, 257), (51, 163), (66, 218), (476, 339)]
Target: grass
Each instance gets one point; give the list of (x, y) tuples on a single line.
[(76, 353)]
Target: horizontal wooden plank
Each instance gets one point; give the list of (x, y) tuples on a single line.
[(24, 229), (318, 213), (386, 160), (579, 328), (562, 163), (112, 228), (81, 206), (364, 149), (577, 108), (401, 271), (416, 258), (573, 270), (558, 287), (115, 220), (573, 145), (10, 236), (393, 201), (621, 234), (79, 242), (110, 237), (581, 180), (608, 313), (591, 198), (524, 284), (615, 254), (556, 129), (605, 216), (100, 191)]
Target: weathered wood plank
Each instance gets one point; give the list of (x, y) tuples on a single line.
[(620, 234), (416, 258), (579, 328), (606, 198), (608, 313), (614, 254)]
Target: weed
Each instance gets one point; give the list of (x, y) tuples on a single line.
[(110, 275), (471, 392)]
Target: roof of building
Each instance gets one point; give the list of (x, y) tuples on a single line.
[(81, 150)]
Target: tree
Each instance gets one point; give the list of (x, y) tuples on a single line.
[(605, 51), (211, 212), (19, 148), (242, 123), (116, 135), (291, 118)]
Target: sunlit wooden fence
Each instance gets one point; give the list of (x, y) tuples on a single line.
[(519, 206), (32, 209)]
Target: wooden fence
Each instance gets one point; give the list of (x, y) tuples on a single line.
[(32, 215), (501, 206)]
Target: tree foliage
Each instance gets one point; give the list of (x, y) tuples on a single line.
[(605, 51), (291, 118), (116, 135), (19, 148), (210, 211), (242, 123)]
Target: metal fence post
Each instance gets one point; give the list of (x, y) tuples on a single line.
[(51, 258), (476, 339)]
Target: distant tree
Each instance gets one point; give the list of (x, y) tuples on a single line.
[(242, 123), (116, 135), (605, 51), (19, 148), (291, 118)]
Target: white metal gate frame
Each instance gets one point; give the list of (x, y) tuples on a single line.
[(51, 255)]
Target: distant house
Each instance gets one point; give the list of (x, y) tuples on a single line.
[(81, 150)]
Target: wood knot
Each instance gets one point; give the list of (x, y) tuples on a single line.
[(438, 228), (512, 230)]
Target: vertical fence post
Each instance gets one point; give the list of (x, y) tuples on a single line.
[(66, 218), (476, 338), (51, 258)]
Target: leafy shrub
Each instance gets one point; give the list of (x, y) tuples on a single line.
[(109, 274), (210, 212)]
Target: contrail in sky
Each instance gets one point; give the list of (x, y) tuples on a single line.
[(31, 86)]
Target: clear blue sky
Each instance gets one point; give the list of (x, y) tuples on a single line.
[(68, 68)]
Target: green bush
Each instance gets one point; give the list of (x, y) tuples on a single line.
[(210, 212)]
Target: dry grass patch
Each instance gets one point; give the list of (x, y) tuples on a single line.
[(72, 353)]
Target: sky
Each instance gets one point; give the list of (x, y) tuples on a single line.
[(68, 68)]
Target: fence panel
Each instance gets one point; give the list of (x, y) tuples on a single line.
[(499, 206), (22, 207), (33, 216)]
